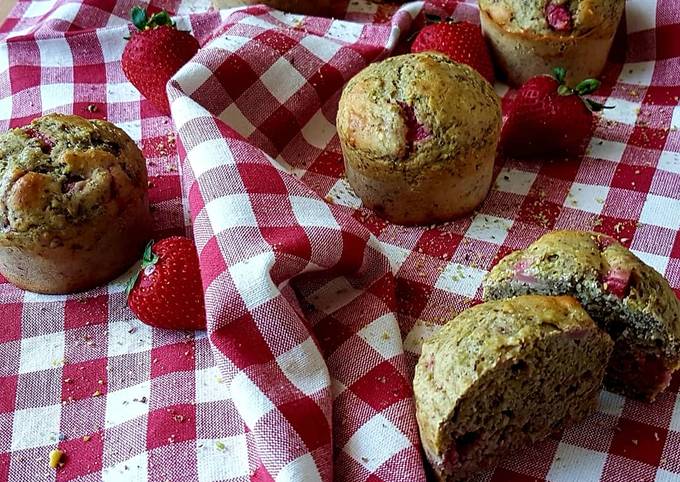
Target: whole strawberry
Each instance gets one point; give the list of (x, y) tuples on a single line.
[(167, 292), (549, 119), (156, 53), (461, 41)]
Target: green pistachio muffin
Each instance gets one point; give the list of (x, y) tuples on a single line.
[(419, 135), (629, 299), (74, 210), (531, 37), (503, 375)]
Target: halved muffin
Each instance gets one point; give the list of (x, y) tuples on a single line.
[(503, 375), (629, 299)]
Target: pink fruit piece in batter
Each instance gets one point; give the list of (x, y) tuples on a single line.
[(653, 369), (451, 457), (46, 143), (558, 16), (461, 448), (520, 272), (617, 281), (415, 130)]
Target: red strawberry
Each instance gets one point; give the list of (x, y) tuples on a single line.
[(549, 119), (558, 16), (156, 53), (462, 42), (167, 292)]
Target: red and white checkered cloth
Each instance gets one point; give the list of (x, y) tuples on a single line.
[(316, 307)]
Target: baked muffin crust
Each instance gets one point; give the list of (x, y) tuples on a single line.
[(419, 134), (70, 183), (531, 16), (532, 37)]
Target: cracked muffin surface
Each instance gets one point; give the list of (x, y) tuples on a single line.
[(419, 134), (61, 171), (68, 183)]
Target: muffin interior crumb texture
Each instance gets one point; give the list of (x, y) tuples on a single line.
[(504, 375), (629, 299), (61, 171)]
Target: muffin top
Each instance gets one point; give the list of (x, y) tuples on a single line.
[(555, 17), (414, 110), (62, 171)]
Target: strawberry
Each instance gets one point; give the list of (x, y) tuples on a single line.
[(558, 17), (167, 291), (549, 119), (156, 53), (461, 41)]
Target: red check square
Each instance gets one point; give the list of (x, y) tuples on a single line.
[(84, 380), (308, 420), (172, 358), (382, 387), (85, 312), (171, 425), (638, 441), (82, 455), (11, 319)]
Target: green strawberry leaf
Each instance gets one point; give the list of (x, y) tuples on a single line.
[(560, 73), (143, 22), (159, 19), (587, 86), (130, 284), (139, 18), (148, 259), (565, 91)]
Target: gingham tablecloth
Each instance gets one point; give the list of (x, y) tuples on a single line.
[(316, 307)]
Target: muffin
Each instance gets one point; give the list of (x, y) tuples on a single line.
[(305, 7), (419, 135), (503, 375), (531, 37), (74, 210), (627, 298)]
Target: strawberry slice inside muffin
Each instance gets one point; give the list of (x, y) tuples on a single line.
[(629, 299), (558, 17), (416, 131), (617, 281), (46, 142), (647, 371), (521, 274)]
